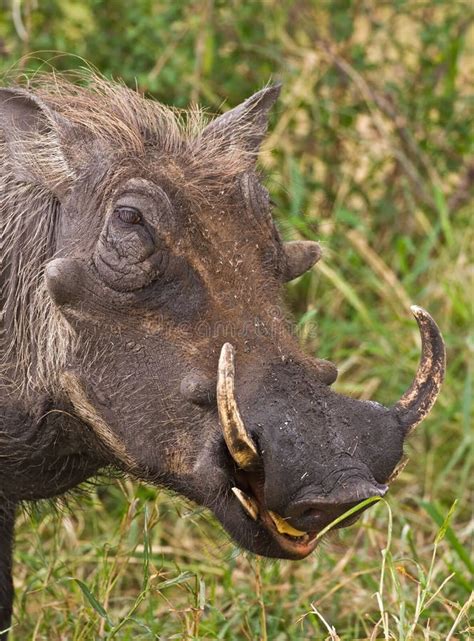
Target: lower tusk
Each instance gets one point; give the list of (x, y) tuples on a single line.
[(249, 505), (283, 527)]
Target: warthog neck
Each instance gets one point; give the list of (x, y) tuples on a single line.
[(44, 452)]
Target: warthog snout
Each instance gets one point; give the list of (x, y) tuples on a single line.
[(304, 455)]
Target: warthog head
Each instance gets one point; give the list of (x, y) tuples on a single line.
[(164, 318)]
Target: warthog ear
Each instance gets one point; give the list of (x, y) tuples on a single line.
[(300, 255), (33, 132), (246, 125)]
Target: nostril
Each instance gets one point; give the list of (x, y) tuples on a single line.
[(317, 515), (310, 511), (319, 510), (313, 508), (198, 388)]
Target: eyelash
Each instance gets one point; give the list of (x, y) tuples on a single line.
[(129, 215)]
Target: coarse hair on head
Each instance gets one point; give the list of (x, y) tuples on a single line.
[(83, 108)]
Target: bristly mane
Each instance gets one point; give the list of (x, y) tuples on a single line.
[(34, 338), (35, 341)]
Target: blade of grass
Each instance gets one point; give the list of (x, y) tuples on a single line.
[(353, 510), (348, 292), (449, 533), (93, 602)]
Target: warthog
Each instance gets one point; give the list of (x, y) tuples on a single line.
[(141, 282)]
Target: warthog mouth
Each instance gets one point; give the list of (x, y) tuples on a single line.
[(249, 493), (295, 543)]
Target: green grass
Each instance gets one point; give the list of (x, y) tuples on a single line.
[(369, 154), (134, 564)]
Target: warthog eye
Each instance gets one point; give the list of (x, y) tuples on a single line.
[(129, 215)]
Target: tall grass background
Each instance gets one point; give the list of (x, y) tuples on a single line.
[(370, 153)]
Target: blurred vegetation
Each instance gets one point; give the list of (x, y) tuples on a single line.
[(370, 152)]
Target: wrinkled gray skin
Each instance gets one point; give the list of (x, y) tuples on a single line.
[(153, 284)]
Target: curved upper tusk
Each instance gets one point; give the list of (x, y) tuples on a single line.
[(418, 400), (240, 444)]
